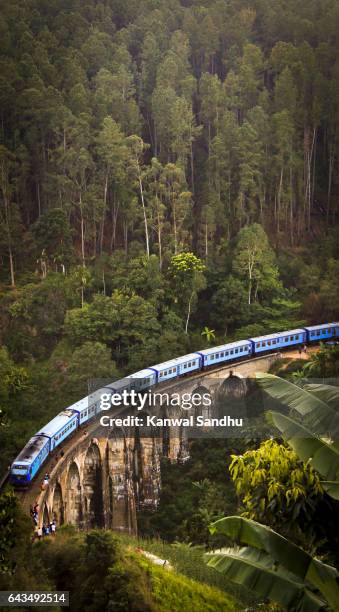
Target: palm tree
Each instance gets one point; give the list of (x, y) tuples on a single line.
[(209, 333)]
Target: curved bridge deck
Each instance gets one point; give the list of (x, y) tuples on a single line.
[(103, 481)]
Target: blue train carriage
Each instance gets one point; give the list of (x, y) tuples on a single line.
[(226, 352), (87, 408), (60, 428), (325, 331), (29, 461), (114, 388), (281, 340), (143, 380), (177, 367)]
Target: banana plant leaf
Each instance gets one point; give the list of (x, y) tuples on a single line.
[(318, 415), (297, 561), (256, 570), (326, 393), (332, 488), (324, 455)]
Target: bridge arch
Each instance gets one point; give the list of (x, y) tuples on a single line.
[(58, 505), (230, 397), (203, 409), (92, 488), (73, 504), (45, 515), (119, 466)]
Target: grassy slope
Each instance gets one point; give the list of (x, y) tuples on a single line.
[(173, 592), (188, 561)]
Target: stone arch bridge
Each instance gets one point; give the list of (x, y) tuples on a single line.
[(107, 474)]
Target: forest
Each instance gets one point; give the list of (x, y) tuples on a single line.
[(169, 180)]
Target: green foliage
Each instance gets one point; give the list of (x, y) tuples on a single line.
[(120, 321), (278, 489), (254, 261), (176, 593), (186, 273), (192, 495), (13, 382), (274, 567), (16, 568), (323, 364), (104, 573)]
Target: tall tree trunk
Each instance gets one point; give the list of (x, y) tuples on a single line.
[(175, 228), (7, 216), (188, 312), (141, 188), (115, 213), (192, 166), (279, 198), (160, 240), (330, 178), (126, 237), (206, 240), (82, 228), (102, 225)]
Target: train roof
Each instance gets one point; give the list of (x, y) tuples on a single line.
[(175, 362), (224, 347), (142, 373), (80, 405), (57, 423), (31, 450), (315, 327), (278, 335), (115, 385)]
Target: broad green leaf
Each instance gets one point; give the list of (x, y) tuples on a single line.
[(326, 393), (325, 457), (282, 551), (318, 415), (256, 570), (332, 488)]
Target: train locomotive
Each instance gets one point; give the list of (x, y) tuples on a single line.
[(33, 456)]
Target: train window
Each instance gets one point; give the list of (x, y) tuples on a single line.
[(232, 352), (185, 366), (227, 354), (236, 350), (318, 332), (274, 342), (212, 356)]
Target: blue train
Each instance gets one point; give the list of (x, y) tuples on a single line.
[(49, 437)]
